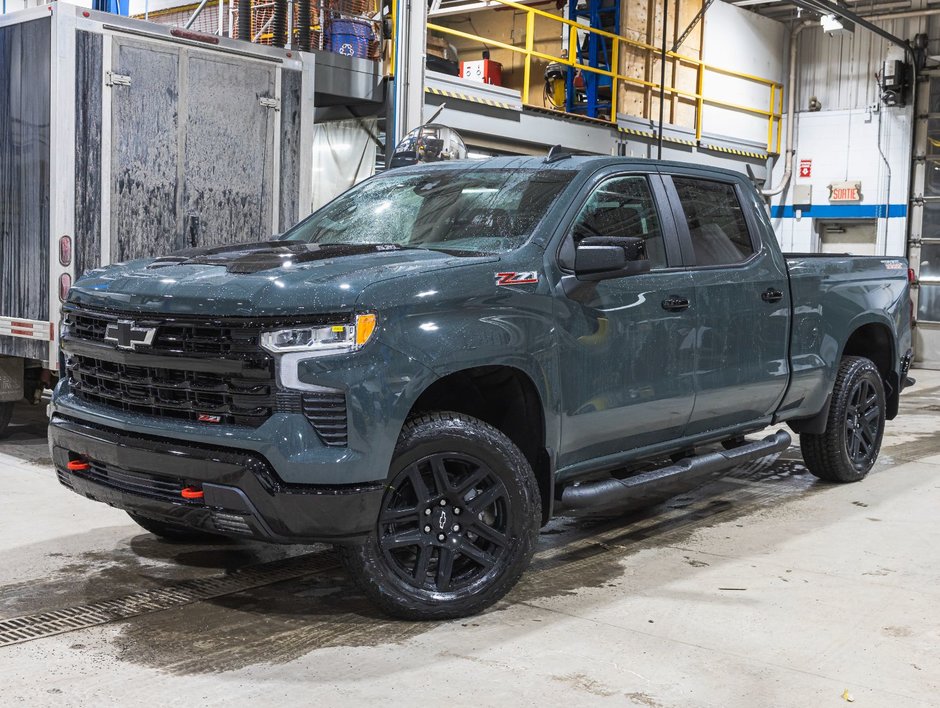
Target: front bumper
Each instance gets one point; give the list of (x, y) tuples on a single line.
[(242, 495)]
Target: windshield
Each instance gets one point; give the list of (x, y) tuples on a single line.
[(459, 210)]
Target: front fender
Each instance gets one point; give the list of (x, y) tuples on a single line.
[(459, 319)]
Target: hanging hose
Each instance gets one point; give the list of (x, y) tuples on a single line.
[(280, 23), (303, 37), (244, 20)]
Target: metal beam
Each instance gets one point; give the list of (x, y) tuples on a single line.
[(830, 8), (196, 13), (443, 10), (695, 20)]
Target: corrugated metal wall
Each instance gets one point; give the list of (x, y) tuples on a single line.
[(88, 87), (840, 71), (25, 54)]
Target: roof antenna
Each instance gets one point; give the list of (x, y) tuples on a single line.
[(556, 153)]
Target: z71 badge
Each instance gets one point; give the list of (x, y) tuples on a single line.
[(517, 278)]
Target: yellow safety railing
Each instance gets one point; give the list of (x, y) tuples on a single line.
[(772, 112)]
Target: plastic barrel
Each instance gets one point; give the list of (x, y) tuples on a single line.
[(350, 37)]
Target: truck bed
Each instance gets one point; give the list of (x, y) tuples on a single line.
[(834, 296)]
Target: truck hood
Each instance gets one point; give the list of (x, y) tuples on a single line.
[(270, 278)]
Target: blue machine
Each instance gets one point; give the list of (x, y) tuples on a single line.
[(593, 99), (115, 7)]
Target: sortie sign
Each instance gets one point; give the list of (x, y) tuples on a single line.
[(849, 191)]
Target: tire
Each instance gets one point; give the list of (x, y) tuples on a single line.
[(458, 521), (848, 448), (173, 532), (6, 414)]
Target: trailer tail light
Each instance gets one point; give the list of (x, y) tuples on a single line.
[(65, 250), (65, 284)]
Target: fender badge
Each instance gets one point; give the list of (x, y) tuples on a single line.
[(524, 278)]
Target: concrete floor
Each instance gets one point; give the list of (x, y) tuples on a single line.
[(762, 588)]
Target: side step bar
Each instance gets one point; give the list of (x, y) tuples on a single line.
[(612, 491)]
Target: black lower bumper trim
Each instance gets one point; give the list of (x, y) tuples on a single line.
[(241, 494)]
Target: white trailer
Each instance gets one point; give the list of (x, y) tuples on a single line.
[(122, 139)]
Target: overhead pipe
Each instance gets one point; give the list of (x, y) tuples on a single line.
[(824, 7), (902, 15), (789, 147)]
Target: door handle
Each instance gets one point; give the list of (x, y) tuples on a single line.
[(675, 303), (771, 295)]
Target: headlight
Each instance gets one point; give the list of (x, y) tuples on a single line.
[(329, 339)]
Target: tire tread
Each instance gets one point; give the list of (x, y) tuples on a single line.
[(384, 595), (823, 453)]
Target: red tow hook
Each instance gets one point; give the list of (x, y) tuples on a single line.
[(78, 465), (191, 493)]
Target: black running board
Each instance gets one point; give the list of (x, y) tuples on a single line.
[(613, 491)]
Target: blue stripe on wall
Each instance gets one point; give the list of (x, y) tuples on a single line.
[(840, 211)]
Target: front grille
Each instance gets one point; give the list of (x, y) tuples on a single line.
[(163, 489), (235, 339), (172, 393), (247, 398)]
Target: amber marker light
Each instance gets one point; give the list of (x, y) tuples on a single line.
[(365, 326)]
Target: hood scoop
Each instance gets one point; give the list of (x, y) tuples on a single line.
[(267, 255)]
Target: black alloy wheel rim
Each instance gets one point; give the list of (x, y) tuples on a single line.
[(863, 424), (444, 523)]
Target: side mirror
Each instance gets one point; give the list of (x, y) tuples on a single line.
[(598, 258)]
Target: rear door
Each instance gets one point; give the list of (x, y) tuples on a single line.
[(741, 297), (229, 155), (193, 150), (625, 345)]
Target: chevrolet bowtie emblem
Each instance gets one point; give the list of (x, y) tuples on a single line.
[(126, 335)]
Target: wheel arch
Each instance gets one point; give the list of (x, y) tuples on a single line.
[(507, 398), (874, 340)]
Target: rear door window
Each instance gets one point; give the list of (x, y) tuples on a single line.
[(717, 226)]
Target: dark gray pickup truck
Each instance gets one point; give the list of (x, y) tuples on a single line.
[(425, 369)]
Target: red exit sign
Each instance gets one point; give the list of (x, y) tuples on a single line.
[(845, 191)]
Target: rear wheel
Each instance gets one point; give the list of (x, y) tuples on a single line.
[(458, 522), (848, 448), (174, 532), (6, 413)]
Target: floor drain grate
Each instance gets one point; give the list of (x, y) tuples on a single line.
[(46, 624)]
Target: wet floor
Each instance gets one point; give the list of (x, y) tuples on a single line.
[(311, 605)]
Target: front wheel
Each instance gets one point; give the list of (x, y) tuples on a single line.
[(848, 448), (458, 522)]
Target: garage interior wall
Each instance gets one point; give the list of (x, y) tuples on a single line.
[(757, 48), (743, 41), (849, 136)]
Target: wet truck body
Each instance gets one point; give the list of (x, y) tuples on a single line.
[(424, 369)]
